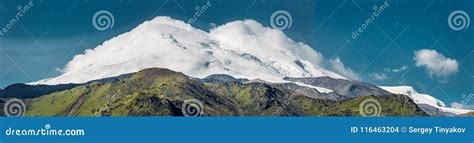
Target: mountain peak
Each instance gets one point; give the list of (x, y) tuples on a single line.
[(242, 49), (156, 71)]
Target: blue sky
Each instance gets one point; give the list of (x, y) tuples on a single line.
[(52, 32)]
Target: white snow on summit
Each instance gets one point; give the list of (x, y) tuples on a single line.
[(243, 49)]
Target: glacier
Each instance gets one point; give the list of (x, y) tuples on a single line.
[(242, 49)]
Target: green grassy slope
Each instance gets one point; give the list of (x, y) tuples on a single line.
[(162, 92)]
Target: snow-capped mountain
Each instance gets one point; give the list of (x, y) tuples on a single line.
[(242, 49), (428, 102)]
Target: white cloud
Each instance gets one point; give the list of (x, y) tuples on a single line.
[(379, 76), (396, 70), (400, 69), (435, 63), (337, 66), (458, 105)]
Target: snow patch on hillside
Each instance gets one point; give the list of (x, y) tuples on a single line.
[(419, 98)]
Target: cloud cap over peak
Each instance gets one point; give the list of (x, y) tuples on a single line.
[(242, 48)]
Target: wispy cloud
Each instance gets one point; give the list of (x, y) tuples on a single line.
[(396, 70), (337, 66), (458, 105), (379, 76)]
